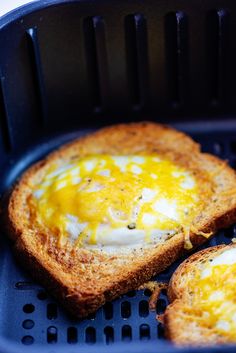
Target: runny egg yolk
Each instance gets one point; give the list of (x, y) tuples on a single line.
[(214, 294), (95, 195)]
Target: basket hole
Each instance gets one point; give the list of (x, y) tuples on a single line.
[(229, 232), (51, 311), (28, 324), (218, 148), (233, 146), (125, 309), (131, 293), (161, 305), (233, 163), (72, 335), (108, 311), (126, 333), (164, 291), (144, 332), (28, 308), (42, 295), (143, 308), (147, 292), (109, 334), (90, 335), (160, 331), (27, 340), (52, 334)]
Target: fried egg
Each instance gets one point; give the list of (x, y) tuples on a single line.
[(214, 293), (110, 201)]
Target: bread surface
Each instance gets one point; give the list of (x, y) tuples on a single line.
[(83, 280), (183, 319)]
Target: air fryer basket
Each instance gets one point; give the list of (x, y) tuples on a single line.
[(68, 67)]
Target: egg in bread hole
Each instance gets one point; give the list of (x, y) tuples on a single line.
[(106, 202), (213, 294)]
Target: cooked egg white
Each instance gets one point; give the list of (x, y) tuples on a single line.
[(112, 201), (214, 293)]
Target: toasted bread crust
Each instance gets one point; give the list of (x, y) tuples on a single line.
[(178, 327), (83, 280)]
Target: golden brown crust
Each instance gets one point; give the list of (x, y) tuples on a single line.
[(175, 290), (83, 280), (180, 327)]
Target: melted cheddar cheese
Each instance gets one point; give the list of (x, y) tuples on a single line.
[(121, 200), (214, 294)]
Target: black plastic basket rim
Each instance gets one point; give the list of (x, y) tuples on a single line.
[(36, 5), (134, 347)]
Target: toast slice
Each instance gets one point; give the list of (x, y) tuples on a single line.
[(83, 274), (203, 291)]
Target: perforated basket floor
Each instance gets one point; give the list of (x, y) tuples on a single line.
[(31, 317)]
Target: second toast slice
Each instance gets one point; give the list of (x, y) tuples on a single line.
[(202, 292)]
